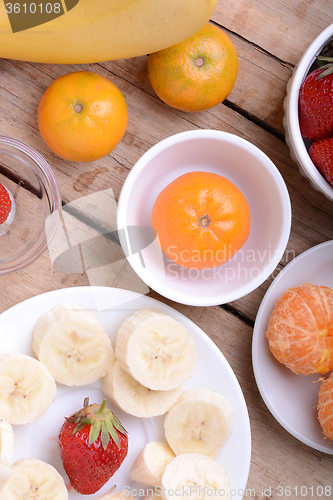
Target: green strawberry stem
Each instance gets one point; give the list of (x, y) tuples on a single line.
[(101, 420), (327, 67)]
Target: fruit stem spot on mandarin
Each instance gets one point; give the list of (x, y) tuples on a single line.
[(78, 108), (204, 221), (199, 62)]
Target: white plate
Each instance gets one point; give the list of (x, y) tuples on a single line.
[(291, 398), (111, 306)]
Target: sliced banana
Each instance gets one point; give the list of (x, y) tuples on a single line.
[(116, 495), (156, 350), (199, 422), (34, 479), (149, 466), (27, 389), (73, 345), (154, 494), (5, 471), (6, 443), (133, 398), (195, 476)]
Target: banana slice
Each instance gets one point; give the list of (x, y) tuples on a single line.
[(156, 350), (27, 389), (116, 495), (133, 398), (195, 476), (150, 464), (6, 443), (154, 494), (34, 479), (73, 345), (5, 471), (199, 422)]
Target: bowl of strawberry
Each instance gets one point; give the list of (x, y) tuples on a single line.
[(30, 205), (308, 113)]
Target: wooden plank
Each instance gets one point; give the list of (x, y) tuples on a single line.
[(281, 27), (159, 121)]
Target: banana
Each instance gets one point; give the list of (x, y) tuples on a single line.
[(73, 345), (6, 443), (27, 389), (156, 350), (195, 476), (88, 31), (149, 466), (199, 422), (154, 494), (116, 495), (5, 471), (133, 398), (34, 479)]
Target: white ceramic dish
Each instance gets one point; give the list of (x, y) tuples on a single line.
[(294, 139), (251, 171), (291, 398), (111, 306)]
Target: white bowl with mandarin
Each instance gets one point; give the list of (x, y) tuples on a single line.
[(244, 165), (297, 146)]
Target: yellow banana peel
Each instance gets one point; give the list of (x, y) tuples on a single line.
[(88, 31)]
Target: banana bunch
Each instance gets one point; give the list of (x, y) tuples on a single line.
[(155, 355), (27, 389), (88, 31), (72, 344)]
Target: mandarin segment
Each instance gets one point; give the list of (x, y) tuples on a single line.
[(325, 406), (300, 329), (202, 219)]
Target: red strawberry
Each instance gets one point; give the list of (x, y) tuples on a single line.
[(93, 445), (321, 153), (316, 103), (5, 204)]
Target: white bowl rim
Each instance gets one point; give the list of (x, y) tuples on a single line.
[(300, 73), (173, 293)]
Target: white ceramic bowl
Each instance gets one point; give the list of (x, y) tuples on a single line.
[(294, 139), (251, 171)]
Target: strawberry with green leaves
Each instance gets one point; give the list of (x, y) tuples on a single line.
[(5, 204), (316, 102), (93, 445), (321, 154)]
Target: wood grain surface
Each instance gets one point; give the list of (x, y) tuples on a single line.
[(270, 37)]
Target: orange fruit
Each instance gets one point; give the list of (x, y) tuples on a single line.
[(325, 406), (82, 116), (202, 219), (300, 329), (196, 74)]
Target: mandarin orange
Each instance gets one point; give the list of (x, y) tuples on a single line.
[(325, 406), (202, 219), (197, 73), (300, 329), (82, 116)]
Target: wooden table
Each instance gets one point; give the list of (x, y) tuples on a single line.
[(270, 38)]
